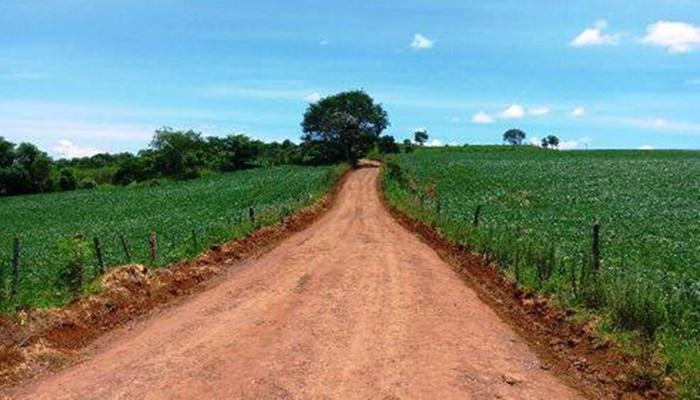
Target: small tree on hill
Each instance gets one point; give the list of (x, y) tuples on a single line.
[(350, 122), (553, 141), (514, 137), (420, 136)]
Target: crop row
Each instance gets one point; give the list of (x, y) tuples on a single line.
[(58, 232), (533, 212)]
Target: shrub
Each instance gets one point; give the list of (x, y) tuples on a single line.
[(87, 183)]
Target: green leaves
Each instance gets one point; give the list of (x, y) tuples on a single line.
[(55, 264)]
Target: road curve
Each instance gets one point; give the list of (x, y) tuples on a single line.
[(354, 307)]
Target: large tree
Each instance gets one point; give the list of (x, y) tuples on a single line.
[(514, 136), (347, 123)]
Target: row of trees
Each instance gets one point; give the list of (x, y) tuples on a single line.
[(344, 127), (516, 137)]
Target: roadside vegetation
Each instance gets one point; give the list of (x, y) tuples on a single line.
[(148, 207), (58, 230), (534, 212)]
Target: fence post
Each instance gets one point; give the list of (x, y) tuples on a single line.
[(16, 250), (98, 254), (477, 213), (125, 247), (153, 244)]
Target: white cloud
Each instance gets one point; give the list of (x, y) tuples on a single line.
[(676, 37), (421, 42), (594, 36), (313, 97), (578, 112), (538, 111), (68, 149), (434, 143), (662, 125), (535, 141), (646, 147), (482, 118), (514, 111), (581, 143)]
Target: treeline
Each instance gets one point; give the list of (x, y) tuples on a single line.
[(172, 154)]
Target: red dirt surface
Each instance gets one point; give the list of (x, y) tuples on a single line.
[(354, 307), (572, 349)]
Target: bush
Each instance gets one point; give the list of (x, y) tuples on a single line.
[(87, 183), (66, 180), (635, 305), (74, 252)]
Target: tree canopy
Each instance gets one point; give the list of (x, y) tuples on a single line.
[(514, 137), (550, 141), (347, 124), (420, 136)]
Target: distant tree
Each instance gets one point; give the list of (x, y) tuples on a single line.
[(7, 153), (177, 153), (133, 169), (275, 153), (552, 141), (349, 121), (407, 146), (514, 137), (387, 145), (545, 143), (66, 180), (420, 137), (233, 152)]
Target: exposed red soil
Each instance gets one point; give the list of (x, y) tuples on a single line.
[(35, 342), (354, 307), (572, 349)]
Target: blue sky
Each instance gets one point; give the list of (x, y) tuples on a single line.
[(79, 76)]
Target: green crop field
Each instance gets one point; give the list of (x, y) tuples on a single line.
[(536, 210), (187, 217)]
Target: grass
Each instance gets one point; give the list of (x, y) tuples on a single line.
[(536, 211), (57, 229)]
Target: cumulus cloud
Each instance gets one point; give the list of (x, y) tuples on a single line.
[(538, 111), (646, 147), (68, 149), (313, 97), (594, 36), (421, 42), (481, 118), (676, 37), (434, 143), (514, 111), (578, 112)]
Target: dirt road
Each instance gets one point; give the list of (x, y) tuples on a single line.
[(355, 307)]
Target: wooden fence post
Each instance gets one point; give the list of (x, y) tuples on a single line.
[(98, 254), (16, 250), (477, 213), (125, 247), (153, 244)]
